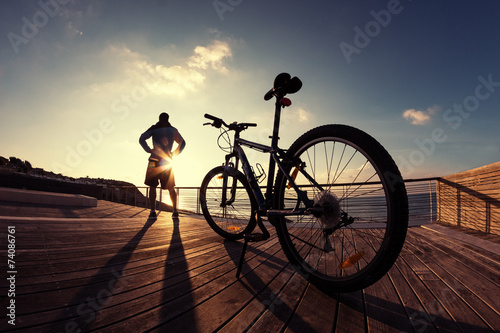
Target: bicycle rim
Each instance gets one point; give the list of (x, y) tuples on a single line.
[(232, 220), (353, 174)]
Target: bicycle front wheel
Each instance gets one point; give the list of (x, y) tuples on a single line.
[(357, 227), (234, 217)]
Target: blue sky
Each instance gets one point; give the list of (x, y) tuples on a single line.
[(81, 80)]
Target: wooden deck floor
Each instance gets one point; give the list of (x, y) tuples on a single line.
[(107, 269)]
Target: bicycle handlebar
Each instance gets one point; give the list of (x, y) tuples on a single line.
[(209, 116), (218, 122)]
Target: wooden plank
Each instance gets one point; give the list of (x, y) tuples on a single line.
[(457, 295), (216, 300), (351, 315), (466, 258), (423, 281), (487, 169), (417, 316), (97, 287), (181, 276), (246, 316), (477, 191), (315, 313), (384, 308), (282, 308)]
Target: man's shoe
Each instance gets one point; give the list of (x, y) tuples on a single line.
[(152, 214), (175, 214)]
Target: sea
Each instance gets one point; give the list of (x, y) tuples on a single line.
[(422, 206)]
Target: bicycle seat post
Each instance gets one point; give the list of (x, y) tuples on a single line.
[(276, 127), (274, 146)]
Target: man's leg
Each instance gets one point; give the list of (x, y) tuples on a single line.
[(152, 199), (173, 197)]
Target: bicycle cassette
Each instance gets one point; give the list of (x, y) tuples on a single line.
[(328, 201)]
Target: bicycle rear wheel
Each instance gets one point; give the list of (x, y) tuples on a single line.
[(359, 226), (233, 218)]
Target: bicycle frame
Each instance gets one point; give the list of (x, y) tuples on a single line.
[(321, 241), (276, 155)]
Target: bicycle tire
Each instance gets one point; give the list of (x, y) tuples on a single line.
[(234, 221), (356, 255)]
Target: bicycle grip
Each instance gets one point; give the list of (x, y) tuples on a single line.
[(217, 121), (208, 116)]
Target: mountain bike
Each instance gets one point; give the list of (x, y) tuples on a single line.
[(338, 201)]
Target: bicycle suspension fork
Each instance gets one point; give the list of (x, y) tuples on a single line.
[(229, 169)]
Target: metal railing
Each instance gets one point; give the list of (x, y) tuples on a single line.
[(421, 198)]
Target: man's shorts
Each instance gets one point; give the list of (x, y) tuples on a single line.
[(160, 171)]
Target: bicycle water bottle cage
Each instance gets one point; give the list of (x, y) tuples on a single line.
[(262, 174)]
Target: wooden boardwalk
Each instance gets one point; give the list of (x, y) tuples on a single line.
[(107, 269)]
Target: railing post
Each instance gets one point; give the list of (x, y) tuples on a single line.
[(488, 217), (161, 198), (198, 201), (430, 196), (177, 200), (459, 208), (438, 200)]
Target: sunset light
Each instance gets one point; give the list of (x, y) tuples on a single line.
[(81, 81), (250, 166)]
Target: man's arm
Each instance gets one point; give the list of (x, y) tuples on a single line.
[(142, 140), (181, 143)]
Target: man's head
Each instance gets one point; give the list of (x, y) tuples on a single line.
[(164, 116)]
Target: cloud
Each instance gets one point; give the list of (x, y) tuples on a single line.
[(126, 68), (303, 115), (419, 117), (72, 30), (211, 56), (296, 117), (162, 80)]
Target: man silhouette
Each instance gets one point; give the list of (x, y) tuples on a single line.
[(160, 160)]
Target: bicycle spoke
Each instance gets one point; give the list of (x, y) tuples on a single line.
[(232, 218), (345, 166), (338, 240), (337, 221), (329, 165), (338, 164), (306, 242)]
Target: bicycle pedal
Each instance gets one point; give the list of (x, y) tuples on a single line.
[(255, 237)]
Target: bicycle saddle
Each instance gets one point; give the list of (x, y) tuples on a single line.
[(284, 84)]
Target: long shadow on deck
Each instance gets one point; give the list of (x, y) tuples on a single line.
[(364, 305), (89, 301), (270, 298), (177, 298)]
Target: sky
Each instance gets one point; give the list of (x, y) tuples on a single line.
[(80, 81)]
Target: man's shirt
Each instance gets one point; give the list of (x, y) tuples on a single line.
[(164, 135)]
